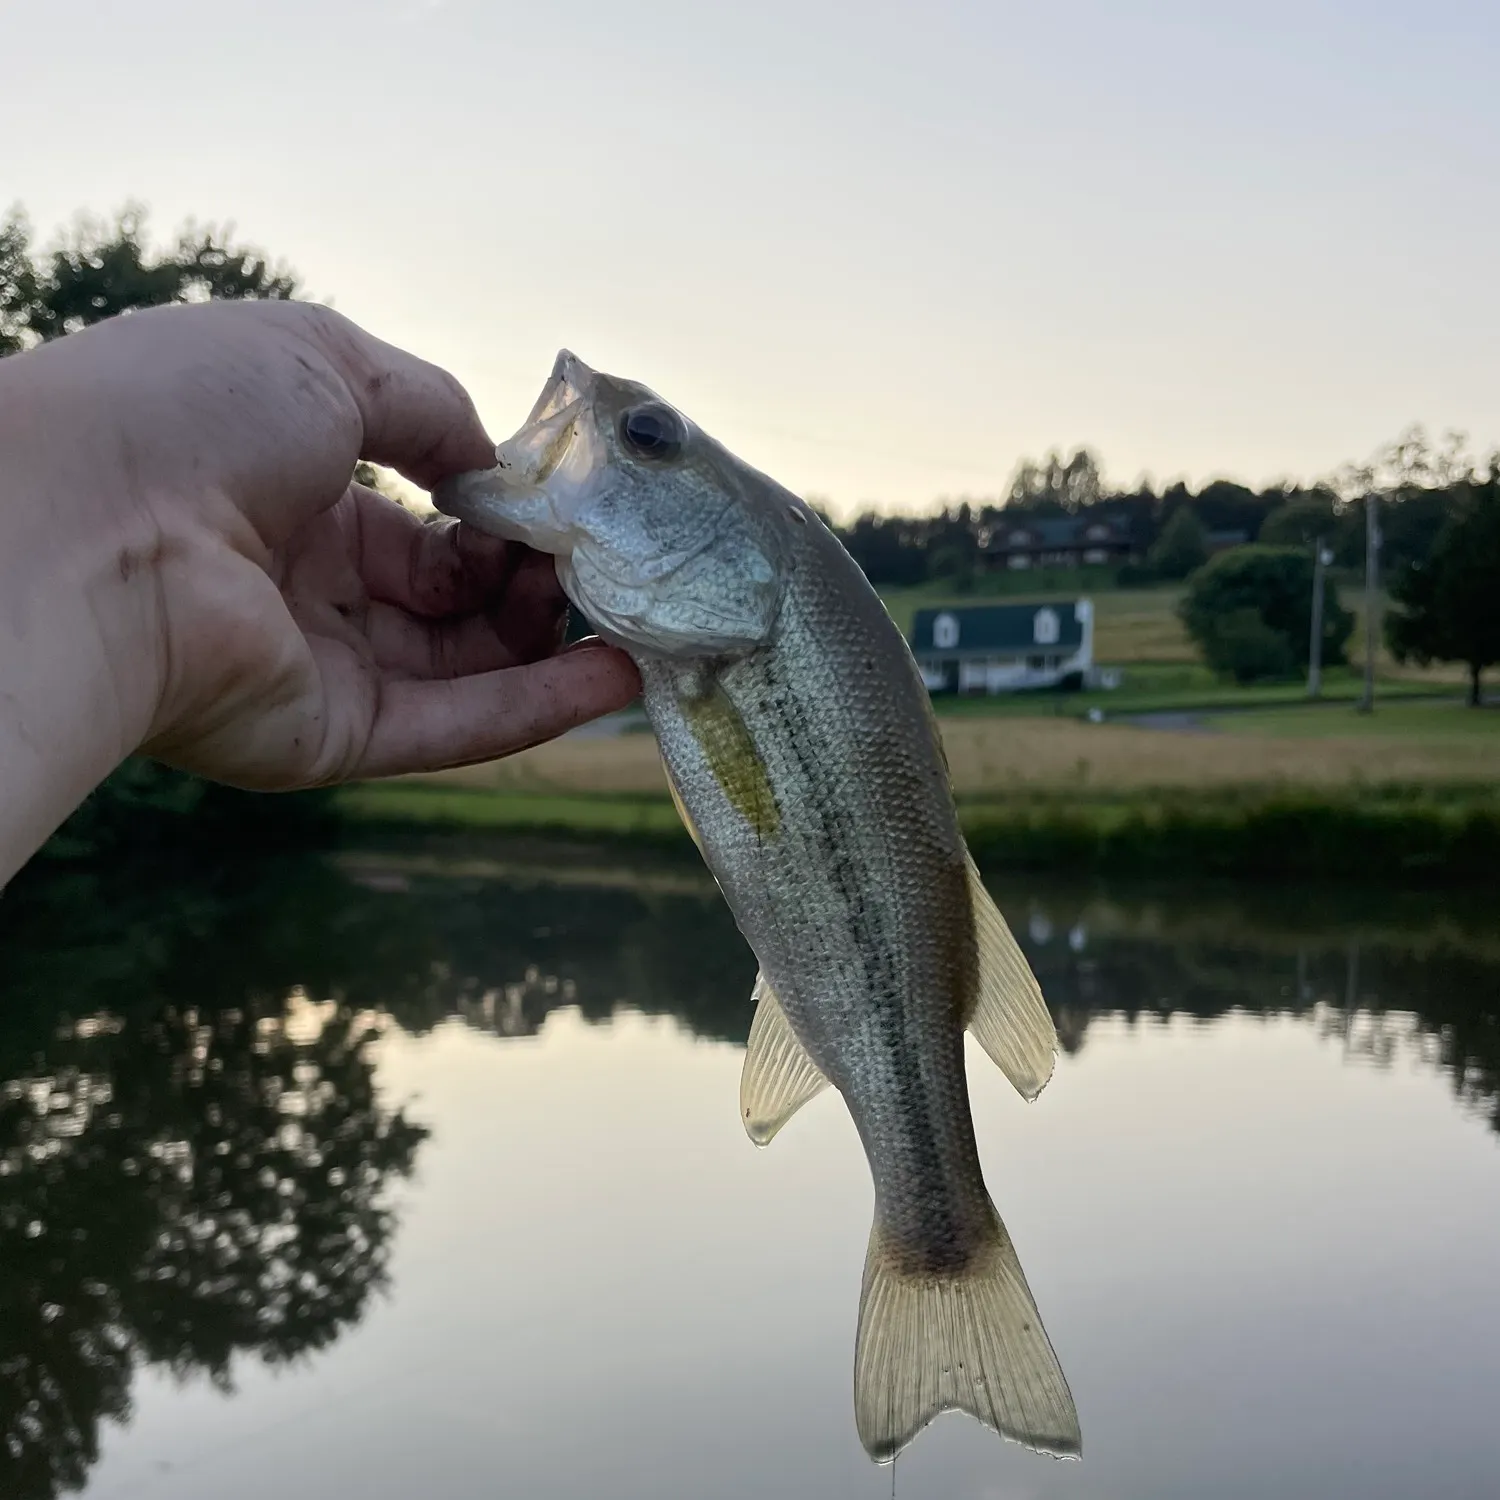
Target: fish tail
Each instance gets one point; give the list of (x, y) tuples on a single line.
[(970, 1341)]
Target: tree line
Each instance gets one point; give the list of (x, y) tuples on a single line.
[(1420, 482)]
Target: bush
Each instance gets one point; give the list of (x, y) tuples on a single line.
[(1250, 613), (1242, 646)]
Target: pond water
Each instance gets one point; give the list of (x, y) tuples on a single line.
[(421, 1174)]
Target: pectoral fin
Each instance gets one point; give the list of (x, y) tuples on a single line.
[(1010, 1021), (682, 812), (732, 757), (779, 1077)]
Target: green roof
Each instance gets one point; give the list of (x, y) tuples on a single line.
[(1017, 629)]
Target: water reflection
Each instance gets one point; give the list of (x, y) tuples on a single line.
[(195, 1160)]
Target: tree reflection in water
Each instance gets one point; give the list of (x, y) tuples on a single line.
[(182, 1179), (194, 1160)]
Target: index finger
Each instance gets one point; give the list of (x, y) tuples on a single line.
[(417, 418), (429, 725)]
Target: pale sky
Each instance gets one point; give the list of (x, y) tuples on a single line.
[(882, 251)]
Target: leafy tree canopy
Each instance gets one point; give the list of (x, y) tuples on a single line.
[(1446, 605), (103, 268), (1182, 547), (1250, 612)]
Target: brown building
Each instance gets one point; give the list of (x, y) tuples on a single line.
[(1058, 542)]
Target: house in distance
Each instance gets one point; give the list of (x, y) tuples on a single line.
[(1059, 542), (1003, 648), (1086, 541)]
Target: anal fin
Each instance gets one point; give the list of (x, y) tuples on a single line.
[(1010, 1021), (778, 1077)]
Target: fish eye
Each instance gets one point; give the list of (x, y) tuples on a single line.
[(653, 431)]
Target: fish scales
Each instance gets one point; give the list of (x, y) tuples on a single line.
[(858, 906)]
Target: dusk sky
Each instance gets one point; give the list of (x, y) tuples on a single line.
[(882, 251)]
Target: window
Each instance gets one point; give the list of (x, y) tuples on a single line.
[(945, 632)]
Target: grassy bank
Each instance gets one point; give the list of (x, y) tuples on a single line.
[(1390, 834)]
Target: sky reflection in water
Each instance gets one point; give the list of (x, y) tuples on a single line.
[(1261, 1230)]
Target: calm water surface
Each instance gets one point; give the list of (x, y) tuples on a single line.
[(422, 1175)]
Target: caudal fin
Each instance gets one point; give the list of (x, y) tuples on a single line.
[(973, 1343)]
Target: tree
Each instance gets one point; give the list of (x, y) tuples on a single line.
[(1182, 547), (102, 269), (1419, 485), (1057, 485), (19, 291), (1250, 612), (1223, 505), (1301, 521), (886, 547), (1447, 604)]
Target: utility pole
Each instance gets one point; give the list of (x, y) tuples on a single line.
[(1321, 558), (1372, 584)]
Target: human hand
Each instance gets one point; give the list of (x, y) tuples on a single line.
[(251, 614)]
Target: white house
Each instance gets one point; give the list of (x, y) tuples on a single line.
[(1000, 648)]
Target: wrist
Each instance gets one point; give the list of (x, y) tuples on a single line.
[(78, 655)]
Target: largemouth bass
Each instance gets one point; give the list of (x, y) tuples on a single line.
[(802, 754)]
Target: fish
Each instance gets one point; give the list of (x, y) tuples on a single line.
[(802, 754)]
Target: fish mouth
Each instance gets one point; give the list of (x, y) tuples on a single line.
[(570, 382), (551, 452)]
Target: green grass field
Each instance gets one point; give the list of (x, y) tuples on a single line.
[(1150, 687), (1446, 722)]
